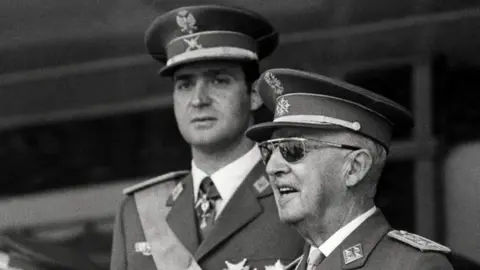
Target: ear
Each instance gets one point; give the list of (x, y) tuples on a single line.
[(255, 99), (360, 162)]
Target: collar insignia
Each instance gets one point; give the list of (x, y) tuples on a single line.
[(352, 254)]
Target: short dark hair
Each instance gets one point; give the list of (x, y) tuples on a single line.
[(251, 70)]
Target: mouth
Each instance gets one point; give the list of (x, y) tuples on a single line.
[(203, 119), (285, 190)]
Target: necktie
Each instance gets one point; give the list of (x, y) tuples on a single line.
[(314, 258), (205, 206)]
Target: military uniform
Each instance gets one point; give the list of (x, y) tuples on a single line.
[(248, 228), (375, 245), (308, 100), (247, 232), (20, 253)]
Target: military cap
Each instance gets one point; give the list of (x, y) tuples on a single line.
[(209, 32), (304, 99), (21, 253)]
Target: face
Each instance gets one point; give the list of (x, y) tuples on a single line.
[(310, 189), (212, 102)]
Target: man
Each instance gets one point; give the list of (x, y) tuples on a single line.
[(325, 151), (222, 213), (20, 253)]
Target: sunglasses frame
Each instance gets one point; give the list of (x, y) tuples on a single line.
[(303, 140)]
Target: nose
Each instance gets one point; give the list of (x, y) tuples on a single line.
[(200, 95), (277, 165)]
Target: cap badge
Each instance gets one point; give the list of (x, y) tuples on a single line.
[(282, 107), (274, 83), (186, 21), (192, 43), (352, 254)]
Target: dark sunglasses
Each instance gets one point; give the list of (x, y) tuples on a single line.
[(293, 149)]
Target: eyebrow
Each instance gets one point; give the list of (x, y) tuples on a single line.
[(182, 77)]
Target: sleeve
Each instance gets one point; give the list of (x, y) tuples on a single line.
[(118, 260)]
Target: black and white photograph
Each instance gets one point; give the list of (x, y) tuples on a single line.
[(239, 135)]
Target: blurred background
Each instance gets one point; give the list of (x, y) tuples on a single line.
[(83, 113)]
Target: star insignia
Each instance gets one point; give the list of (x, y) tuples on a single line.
[(277, 266), (237, 266)]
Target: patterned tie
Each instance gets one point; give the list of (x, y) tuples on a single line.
[(205, 206), (314, 258)]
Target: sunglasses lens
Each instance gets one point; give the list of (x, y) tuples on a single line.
[(266, 150), (292, 151)]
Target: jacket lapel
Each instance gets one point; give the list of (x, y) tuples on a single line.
[(181, 217), (235, 215), (354, 251)]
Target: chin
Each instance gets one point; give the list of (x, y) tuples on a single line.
[(202, 137), (288, 217)]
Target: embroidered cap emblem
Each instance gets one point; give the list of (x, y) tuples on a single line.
[(192, 43), (282, 107), (274, 83), (186, 21)]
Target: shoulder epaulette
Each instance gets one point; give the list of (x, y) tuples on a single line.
[(418, 241), (156, 180)]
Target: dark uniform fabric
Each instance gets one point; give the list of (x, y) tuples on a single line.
[(380, 251), (247, 228)]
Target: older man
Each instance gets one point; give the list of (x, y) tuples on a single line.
[(325, 151)]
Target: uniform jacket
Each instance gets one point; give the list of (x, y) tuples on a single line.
[(248, 227), (379, 251)]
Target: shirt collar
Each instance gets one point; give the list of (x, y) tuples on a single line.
[(337, 238), (228, 178)]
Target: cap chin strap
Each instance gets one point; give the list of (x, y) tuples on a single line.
[(215, 52), (319, 120)]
